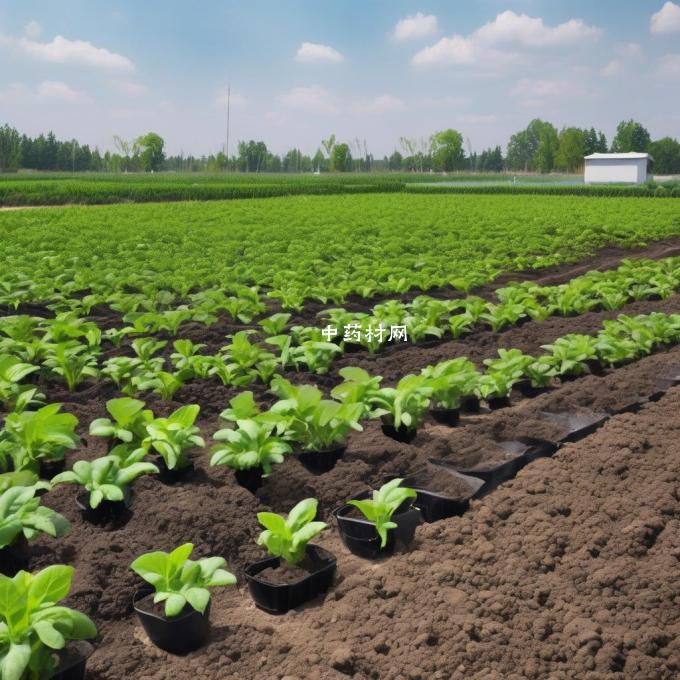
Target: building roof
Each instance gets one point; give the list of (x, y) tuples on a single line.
[(616, 156)]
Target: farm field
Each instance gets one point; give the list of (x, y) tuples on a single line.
[(528, 317)]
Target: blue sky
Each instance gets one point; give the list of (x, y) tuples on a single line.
[(300, 69)]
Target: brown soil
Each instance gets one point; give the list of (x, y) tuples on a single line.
[(286, 573), (439, 480), (570, 570)]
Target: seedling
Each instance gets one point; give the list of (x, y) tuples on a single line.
[(179, 581), (287, 537), (381, 507), (34, 625)]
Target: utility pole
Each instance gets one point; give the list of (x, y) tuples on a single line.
[(228, 103)]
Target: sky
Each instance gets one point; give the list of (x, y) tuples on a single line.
[(300, 70)]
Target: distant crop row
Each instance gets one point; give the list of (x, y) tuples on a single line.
[(321, 249), (140, 189)]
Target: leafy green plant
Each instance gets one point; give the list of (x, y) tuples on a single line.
[(384, 502), (129, 421), (316, 355), (174, 436), (179, 581), (22, 513), (572, 352), (74, 363), (275, 324), (12, 392), (541, 372), (33, 625), (250, 445), (104, 478), (405, 404), (163, 383), (287, 537), (34, 436), (358, 387), (451, 380), (123, 371)]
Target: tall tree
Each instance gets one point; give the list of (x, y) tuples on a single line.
[(152, 155), (10, 149), (572, 147), (630, 136), (341, 159), (447, 150), (666, 155)]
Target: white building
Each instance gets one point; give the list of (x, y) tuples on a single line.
[(616, 167)]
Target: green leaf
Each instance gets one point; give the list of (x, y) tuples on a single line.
[(50, 585), (49, 635), (15, 661)]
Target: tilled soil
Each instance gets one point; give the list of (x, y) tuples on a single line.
[(569, 570)]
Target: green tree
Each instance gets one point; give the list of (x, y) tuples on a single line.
[(666, 155), (572, 148), (395, 160), (630, 136), (447, 151), (533, 148), (341, 158), (152, 156), (10, 149), (319, 161)]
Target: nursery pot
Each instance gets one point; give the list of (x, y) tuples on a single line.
[(14, 557), (400, 434), (446, 416), (180, 635), (526, 389), (107, 512), (498, 402), (250, 479), (167, 475), (51, 468), (319, 462), (470, 404), (73, 660), (278, 598), (361, 538)]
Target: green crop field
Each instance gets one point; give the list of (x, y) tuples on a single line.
[(322, 248)]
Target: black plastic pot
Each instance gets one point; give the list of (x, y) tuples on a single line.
[(73, 661), (179, 635), (498, 402), (360, 537), (250, 479), (352, 348), (280, 598), (400, 434), (526, 389), (51, 468), (172, 476), (575, 425), (469, 404), (319, 462), (446, 416), (107, 512), (15, 557), (434, 506)]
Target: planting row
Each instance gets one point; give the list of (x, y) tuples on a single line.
[(69, 347), (254, 440), (322, 249)]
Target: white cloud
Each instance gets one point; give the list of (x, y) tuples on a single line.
[(128, 87), (315, 52), (236, 100), (415, 26), (311, 99), (46, 91), (64, 51), (669, 67), (385, 103), (487, 46), (630, 50), (532, 88), (613, 68), (520, 29), (32, 29), (666, 20)]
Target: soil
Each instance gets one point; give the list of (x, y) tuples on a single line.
[(439, 480), (287, 573), (569, 570)]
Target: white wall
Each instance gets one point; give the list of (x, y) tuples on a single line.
[(616, 170)]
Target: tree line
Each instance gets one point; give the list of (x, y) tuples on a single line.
[(540, 147)]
